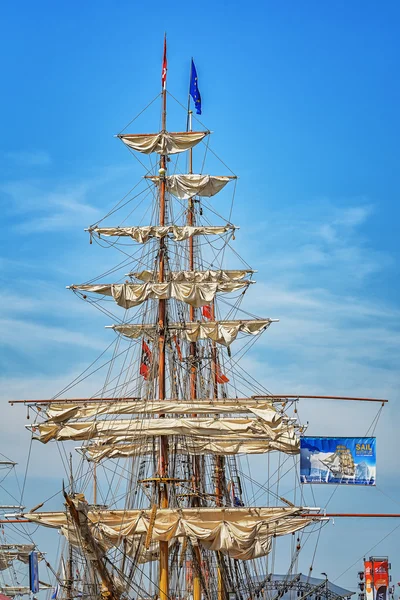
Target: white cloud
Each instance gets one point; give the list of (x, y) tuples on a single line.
[(41, 205)]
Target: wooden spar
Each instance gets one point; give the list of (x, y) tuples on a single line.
[(219, 461), (356, 515), (163, 456), (275, 397), (309, 397), (305, 515), (227, 176), (98, 561), (163, 129)]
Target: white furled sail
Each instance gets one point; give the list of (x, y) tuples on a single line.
[(147, 232), (20, 552), (59, 411), (189, 185), (164, 142), (238, 428), (241, 533), (194, 446), (207, 276), (221, 332), (128, 295)]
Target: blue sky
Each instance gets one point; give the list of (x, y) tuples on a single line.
[(303, 99)]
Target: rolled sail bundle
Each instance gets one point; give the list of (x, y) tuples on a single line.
[(221, 332), (143, 234), (123, 438), (59, 411), (237, 428), (164, 142), (128, 295), (287, 443), (208, 276), (189, 185), (20, 552), (241, 533)]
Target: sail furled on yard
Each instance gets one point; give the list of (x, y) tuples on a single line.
[(195, 446), (241, 533), (164, 142), (113, 448), (221, 332), (11, 552), (188, 185), (237, 428), (178, 233), (208, 276), (59, 411), (128, 295)]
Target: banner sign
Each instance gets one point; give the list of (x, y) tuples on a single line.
[(34, 572), (338, 460), (381, 579)]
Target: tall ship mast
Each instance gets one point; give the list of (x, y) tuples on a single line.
[(158, 507)]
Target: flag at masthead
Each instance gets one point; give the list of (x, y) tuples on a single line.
[(164, 66), (194, 89)]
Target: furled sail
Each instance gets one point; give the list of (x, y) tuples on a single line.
[(241, 533), (128, 295), (238, 428), (10, 552), (59, 411), (189, 185), (208, 276), (164, 142), (18, 590), (221, 332), (146, 232), (113, 449)]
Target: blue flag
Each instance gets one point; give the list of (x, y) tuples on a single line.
[(194, 89)]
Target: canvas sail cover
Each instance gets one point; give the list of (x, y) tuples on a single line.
[(208, 276), (241, 533), (164, 142), (189, 185), (221, 332), (97, 451), (146, 232), (59, 411), (237, 428), (128, 295)]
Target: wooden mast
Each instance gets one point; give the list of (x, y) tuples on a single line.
[(163, 455), (219, 461), (193, 376)]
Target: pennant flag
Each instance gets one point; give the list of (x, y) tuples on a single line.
[(55, 592), (220, 377), (145, 361), (178, 348), (164, 66), (206, 311), (194, 89)]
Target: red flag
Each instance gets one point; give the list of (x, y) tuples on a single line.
[(145, 361), (178, 348), (206, 311), (164, 66), (220, 377)]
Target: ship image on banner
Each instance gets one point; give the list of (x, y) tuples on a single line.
[(338, 460)]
